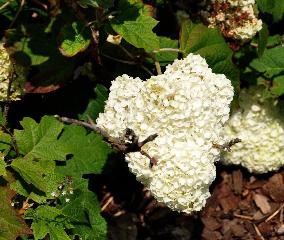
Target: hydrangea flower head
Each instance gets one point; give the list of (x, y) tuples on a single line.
[(187, 107), (7, 68), (259, 125), (235, 18)]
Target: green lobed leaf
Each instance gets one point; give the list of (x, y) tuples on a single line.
[(271, 63), (273, 7), (89, 151), (28, 190), (83, 211), (49, 220), (74, 38), (12, 224), (136, 27), (96, 105), (209, 43), (39, 173), (39, 141)]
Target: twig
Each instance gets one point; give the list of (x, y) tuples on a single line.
[(17, 14), (272, 45), (274, 214), (227, 146), (119, 60), (107, 203), (5, 5), (158, 67), (258, 232), (126, 145), (243, 217), (168, 50)]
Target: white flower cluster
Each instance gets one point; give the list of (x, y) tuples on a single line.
[(187, 107), (6, 70), (259, 125), (235, 18)]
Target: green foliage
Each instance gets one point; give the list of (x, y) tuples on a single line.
[(96, 105), (39, 141), (197, 38), (136, 27), (273, 7), (262, 39), (167, 57), (12, 225), (89, 152), (2, 166), (49, 220), (271, 66), (74, 38), (84, 212)]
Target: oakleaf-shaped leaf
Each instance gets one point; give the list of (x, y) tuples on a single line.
[(271, 63), (87, 221), (39, 173), (12, 224), (74, 38), (49, 220), (209, 43), (89, 151), (39, 141), (138, 32)]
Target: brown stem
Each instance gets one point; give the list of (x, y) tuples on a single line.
[(118, 143)]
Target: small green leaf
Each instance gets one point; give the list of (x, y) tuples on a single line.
[(89, 151), (271, 63), (138, 32), (74, 38), (262, 39), (11, 224), (273, 7), (96, 105), (207, 42), (49, 220)]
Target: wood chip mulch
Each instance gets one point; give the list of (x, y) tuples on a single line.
[(243, 206), (246, 207)]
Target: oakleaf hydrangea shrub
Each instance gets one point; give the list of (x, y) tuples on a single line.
[(235, 18), (187, 107), (259, 124), (10, 74)]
